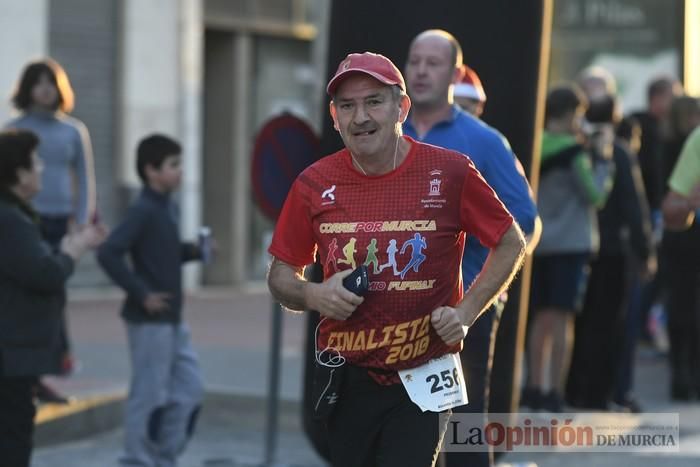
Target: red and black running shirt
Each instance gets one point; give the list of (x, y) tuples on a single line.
[(408, 226)]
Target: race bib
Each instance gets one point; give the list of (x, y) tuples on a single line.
[(438, 385)]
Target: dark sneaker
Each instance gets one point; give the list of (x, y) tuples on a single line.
[(552, 402), (531, 398)]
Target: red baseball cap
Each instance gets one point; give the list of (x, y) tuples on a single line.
[(377, 66)]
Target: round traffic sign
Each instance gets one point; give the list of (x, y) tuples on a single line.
[(284, 147)]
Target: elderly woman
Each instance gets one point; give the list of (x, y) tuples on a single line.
[(32, 280)]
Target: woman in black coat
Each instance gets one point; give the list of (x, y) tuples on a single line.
[(32, 282)]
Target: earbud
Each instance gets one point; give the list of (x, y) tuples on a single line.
[(402, 117)]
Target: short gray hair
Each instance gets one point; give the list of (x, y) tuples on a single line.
[(397, 93)]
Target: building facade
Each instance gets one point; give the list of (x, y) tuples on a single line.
[(207, 72)]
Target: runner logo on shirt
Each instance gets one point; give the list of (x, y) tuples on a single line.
[(397, 252), (417, 243)]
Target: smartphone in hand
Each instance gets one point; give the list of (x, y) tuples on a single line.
[(358, 281)]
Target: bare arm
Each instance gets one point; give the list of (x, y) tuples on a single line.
[(286, 284), (85, 172), (498, 272), (329, 298)]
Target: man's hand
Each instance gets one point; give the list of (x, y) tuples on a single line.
[(448, 325), (331, 299), (694, 197), (156, 302), (679, 210)]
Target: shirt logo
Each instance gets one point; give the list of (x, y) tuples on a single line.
[(435, 187), (328, 194), (434, 200), (435, 183)]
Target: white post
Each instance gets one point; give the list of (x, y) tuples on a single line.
[(161, 89), (191, 96), (241, 211), (691, 75), (150, 77), (319, 52)]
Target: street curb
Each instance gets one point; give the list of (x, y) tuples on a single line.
[(56, 424)]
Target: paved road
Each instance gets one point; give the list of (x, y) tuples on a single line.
[(231, 332)]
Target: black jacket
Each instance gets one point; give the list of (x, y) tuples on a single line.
[(150, 236), (651, 158), (32, 293), (624, 220)]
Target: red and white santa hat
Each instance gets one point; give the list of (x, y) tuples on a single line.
[(470, 86)]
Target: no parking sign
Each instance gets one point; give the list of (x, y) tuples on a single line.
[(284, 147)]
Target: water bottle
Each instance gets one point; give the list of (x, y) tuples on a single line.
[(205, 244)]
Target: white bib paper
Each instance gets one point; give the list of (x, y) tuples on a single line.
[(437, 385)]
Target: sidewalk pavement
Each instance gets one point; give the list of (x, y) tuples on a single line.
[(231, 332)]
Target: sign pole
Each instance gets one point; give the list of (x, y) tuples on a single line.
[(284, 147), (271, 428)]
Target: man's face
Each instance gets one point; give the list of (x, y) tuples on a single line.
[(601, 139), (472, 106), (664, 101), (430, 70), (167, 178), (660, 103), (367, 115)]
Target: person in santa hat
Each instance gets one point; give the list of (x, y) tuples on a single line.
[(469, 93)]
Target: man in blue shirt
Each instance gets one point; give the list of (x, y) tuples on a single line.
[(434, 66)]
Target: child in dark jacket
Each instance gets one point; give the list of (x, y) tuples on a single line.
[(166, 386)]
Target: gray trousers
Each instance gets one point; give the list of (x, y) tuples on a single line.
[(164, 396)]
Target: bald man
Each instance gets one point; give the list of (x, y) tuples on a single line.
[(433, 69)]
